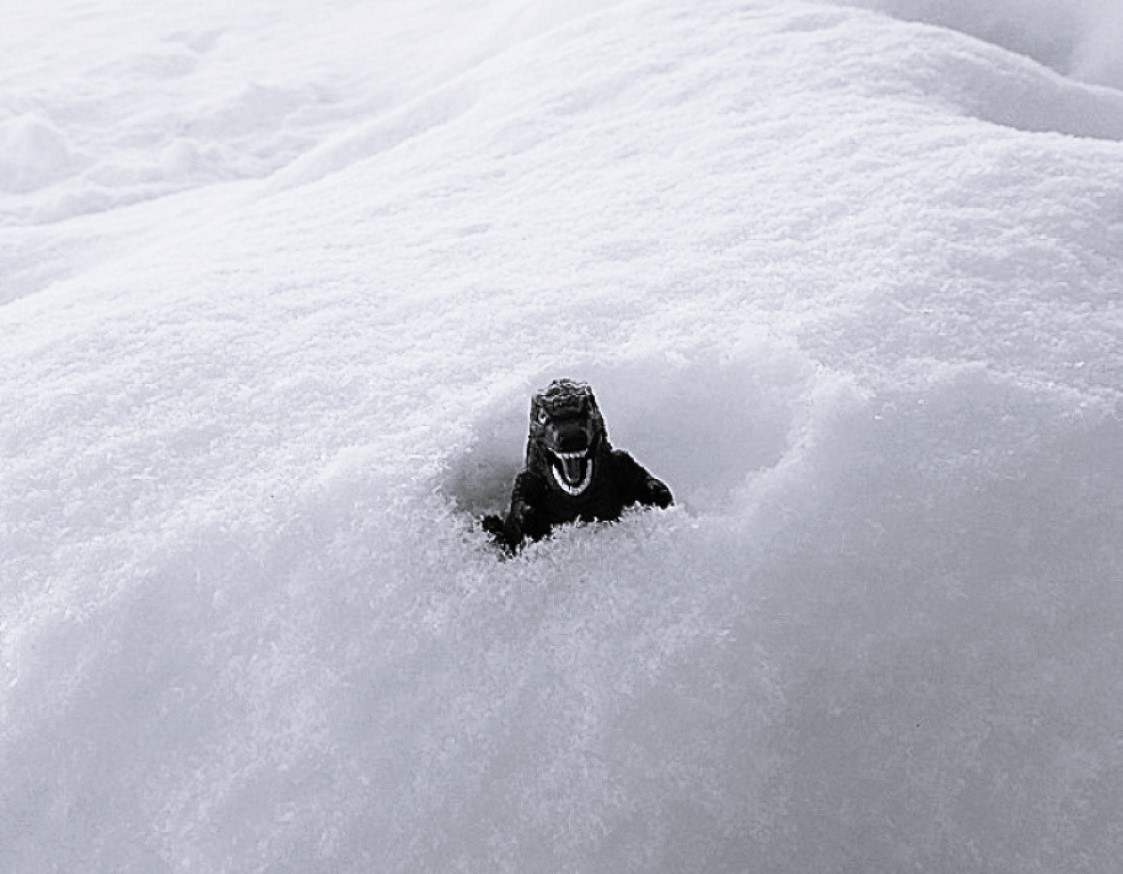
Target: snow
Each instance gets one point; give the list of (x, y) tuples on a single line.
[(277, 283)]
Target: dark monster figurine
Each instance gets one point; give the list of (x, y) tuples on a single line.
[(572, 472)]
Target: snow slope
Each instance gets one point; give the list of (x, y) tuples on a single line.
[(276, 285)]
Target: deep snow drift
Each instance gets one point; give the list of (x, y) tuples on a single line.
[(276, 286)]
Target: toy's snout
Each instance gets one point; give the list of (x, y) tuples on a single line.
[(570, 435)]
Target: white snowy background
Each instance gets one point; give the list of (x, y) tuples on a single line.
[(277, 280)]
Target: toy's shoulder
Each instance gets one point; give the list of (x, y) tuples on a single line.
[(621, 463), (529, 483)]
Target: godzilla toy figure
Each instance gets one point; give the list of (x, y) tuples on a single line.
[(572, 472)]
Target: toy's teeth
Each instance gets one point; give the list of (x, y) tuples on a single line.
[(581, 486)]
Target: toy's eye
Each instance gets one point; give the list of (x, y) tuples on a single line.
[(542, 417)]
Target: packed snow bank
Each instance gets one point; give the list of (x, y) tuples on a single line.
[(862, 316), (120, 108)]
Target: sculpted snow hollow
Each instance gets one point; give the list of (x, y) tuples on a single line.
[(572, 472)]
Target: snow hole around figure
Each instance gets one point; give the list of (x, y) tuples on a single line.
[(704, 423)]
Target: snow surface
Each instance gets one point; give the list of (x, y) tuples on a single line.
[(276, 282)]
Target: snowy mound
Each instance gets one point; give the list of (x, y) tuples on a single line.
[(277, 285)]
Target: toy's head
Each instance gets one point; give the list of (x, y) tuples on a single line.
[(566, 432)]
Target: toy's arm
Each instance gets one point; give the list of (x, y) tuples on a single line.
[(642, 487), (522, 521)]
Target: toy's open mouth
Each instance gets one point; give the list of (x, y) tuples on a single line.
[(573, 471)]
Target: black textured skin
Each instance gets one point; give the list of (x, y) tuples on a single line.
[(538, 503)]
